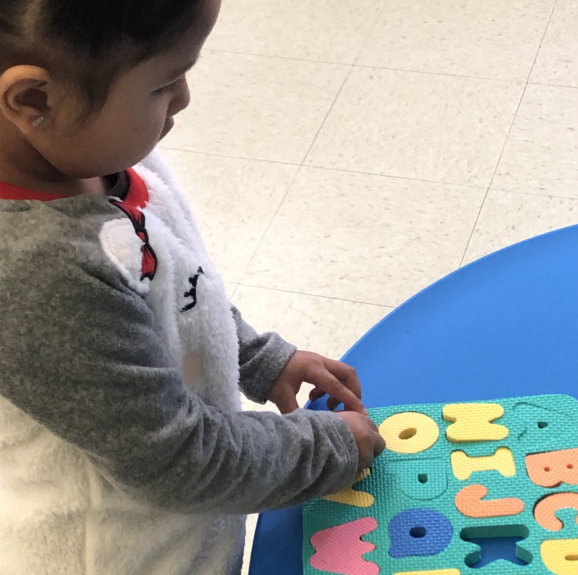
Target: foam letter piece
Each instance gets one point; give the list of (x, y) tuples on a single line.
[(436, 572), (473, 422), (469, 503), (553, 468), (350, 496), (560, 556), (545, 510), (339, 549), (409, 432), (419, 532), (502, 461)]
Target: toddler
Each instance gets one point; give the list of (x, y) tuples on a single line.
[(123, 450)]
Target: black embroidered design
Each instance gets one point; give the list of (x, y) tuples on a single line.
[(137, 218), (192, 293)]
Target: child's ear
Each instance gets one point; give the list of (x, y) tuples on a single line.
[(24, 96)]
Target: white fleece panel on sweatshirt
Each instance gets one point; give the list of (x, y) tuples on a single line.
[(84, 524)]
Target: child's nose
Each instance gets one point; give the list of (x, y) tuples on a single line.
[(182, 98)]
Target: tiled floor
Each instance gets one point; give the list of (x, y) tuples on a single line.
[(342, 155)]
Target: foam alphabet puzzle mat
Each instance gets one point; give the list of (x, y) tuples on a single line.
[(482, 488)]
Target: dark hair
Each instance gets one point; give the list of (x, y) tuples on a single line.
[(89, 42)]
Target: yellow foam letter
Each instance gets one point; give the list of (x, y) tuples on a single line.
[(502, 461), (409, 432), (473, 422), (350, 496), (560, 556)]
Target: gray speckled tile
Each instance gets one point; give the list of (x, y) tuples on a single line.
[(557, 61), (364, 238), (541, 155), (256, 107), (510, 217), (327, 31), (234, 201), (420, 126), (493, 39)]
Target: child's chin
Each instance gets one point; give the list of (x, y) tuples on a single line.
[(167, 127)]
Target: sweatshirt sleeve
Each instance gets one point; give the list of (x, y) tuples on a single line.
[(82, 355), (262, 357)]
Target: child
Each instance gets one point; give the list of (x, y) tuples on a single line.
[(122, 447)]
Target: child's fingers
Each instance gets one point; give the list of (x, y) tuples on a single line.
[(317, 393), (348, 378), (339, 392), (346, 375)]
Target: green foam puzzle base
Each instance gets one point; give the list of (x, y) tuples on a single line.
[(452, 478)]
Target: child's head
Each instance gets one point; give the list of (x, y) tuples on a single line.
[(91, 86)]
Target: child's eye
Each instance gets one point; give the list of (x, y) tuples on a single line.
[(169, 87), (164, 89)]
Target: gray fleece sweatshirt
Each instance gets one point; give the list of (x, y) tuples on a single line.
[(122, 447)]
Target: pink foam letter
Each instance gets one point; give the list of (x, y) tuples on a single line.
[(339, 549)]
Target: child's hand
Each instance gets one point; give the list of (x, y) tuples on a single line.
[(369, 441), (327, 375)]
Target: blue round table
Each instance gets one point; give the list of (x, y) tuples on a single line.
[(503, 326)]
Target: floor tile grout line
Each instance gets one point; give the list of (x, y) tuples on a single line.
[(442, 74), (356, 64), (555, 3), (176, 148), (545, 84), (370, 34), (507, 138), (277, 57), (552, 196), (233, 293), (269, 224), (475, 224), (339, 92), (326, 168), (305, 60), (393, 177), (372, 174), (304, 157), (324, 121), (306, 294)]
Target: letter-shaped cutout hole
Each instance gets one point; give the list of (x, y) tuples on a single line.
[(498, 542)]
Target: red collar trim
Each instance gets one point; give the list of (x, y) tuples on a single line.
[(137, 194), (10, 192)]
